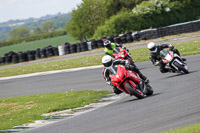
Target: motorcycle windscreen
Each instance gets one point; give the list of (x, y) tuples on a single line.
[(119, 53), (166, 56)]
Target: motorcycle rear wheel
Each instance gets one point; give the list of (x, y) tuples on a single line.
[(133, 92), (180, 67)]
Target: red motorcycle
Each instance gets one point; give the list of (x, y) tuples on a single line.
[(121, 53), (130, 82)]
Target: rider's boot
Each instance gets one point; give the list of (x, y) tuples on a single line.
[(183, 59), (171, 70), (135, 68)]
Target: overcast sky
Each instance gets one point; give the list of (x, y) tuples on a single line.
[(22, 9)]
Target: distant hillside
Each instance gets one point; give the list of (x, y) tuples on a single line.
[(59, 19)]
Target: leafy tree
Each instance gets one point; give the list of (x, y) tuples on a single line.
[(115, 6), (19, 33), (86, 18), (93, 13), (37, 31), (157, 13), (95, 18), (116, 25), (48, 26)]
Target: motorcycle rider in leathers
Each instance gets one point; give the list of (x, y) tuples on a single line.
[(109, 63), (109, 47), (155, 55)]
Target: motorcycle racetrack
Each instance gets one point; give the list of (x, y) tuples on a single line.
[(175, 102)]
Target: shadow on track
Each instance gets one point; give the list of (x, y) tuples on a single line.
[(136, 99), (180, 74)]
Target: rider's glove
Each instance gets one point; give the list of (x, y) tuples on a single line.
[(127, 50), (157, 63), (127, 65), (109, 83)]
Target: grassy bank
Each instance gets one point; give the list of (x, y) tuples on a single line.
[(188, 129), (139, 55), (16, 111)]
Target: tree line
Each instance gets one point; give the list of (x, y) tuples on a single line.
[(94, 19), (21, 34)]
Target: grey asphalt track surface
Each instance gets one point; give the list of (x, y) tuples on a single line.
[(175, 103)]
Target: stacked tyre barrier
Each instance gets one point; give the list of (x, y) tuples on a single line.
[(129, 37), (23, 56), (42, 53), (84, 46), (78, 47), (73, 48), (30, 55), (67, 48), (94, 44)]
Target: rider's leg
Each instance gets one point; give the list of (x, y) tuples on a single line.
[(133, 67), (177, 52), (163, 69)]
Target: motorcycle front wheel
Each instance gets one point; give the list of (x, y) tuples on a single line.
[(136, 92), (180, 67)]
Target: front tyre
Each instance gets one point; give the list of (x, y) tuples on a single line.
[(181, 68), (139, 94)]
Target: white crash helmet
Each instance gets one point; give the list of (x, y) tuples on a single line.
[(107, 43), (107, 60), (152, 47)]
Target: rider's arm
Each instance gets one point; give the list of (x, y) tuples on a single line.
[(167, 45), (120, 45), (106, 53), (119, 62), (153, 59), (105, 73)]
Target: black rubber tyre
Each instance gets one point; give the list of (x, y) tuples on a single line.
[(132, 91), (116, 90), (180, 67), (15, 58), (94, 44), (149, 90)]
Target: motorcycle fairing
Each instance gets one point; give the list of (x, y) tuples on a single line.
[(168, 57), (176, 59), (119, 53), (118, 77), (123, 76), (171, 58)]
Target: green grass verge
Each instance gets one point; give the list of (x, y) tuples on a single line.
[(24, 46), (16, 111), (139, 55), (188, 129)]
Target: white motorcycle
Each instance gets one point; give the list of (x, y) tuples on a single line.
[(173, 61)]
